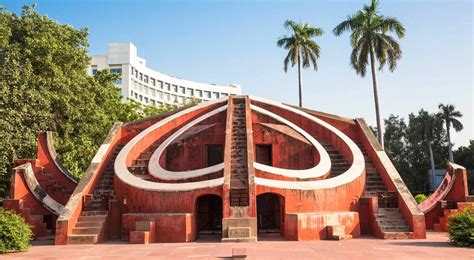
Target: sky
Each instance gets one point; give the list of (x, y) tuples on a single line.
[(226, 42)]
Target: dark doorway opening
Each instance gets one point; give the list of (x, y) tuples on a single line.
[(264, 154), (270, 213), (209, 215), (214, 154)]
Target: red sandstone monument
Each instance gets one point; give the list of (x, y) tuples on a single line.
[(235, 167)]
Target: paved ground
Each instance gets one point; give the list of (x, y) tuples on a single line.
[(435, 247)]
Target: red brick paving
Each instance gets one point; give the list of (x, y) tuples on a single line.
[(434, 247)]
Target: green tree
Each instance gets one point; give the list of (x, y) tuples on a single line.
[(449, 116), (370, 40), (406, 146), (465, 157), (428, 129), (396, 147), (44, 86), (302, 49)]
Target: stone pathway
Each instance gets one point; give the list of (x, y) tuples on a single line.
[(435, 247)]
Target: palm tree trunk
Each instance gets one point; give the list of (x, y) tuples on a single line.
[(300, 80), (376, 99), (432, 164), (450, 147)]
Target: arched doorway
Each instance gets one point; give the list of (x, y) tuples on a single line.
[(209, 215), (270, 213)]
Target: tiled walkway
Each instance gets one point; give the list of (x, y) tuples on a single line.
[(435, 247)]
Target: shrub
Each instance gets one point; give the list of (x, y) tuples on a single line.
[(420, 198), (461, 228), (15, 233)]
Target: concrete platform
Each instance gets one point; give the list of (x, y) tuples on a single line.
[(434, 247)]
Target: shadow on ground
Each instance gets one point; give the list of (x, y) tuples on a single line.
[(423, 243)]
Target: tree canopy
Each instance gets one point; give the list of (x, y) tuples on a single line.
[(406, 143), (370, 36), (44, 87)]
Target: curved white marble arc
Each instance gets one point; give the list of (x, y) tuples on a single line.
[(128, 178), (157, 171), (319, 170), (355, 170), (33, 185)]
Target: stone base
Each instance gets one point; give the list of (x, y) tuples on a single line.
[(239, 229), (239, 253), (337, 232), (239, 239), (139, 237)]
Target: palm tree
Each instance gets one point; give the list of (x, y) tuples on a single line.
[(301, 49), (448, 115), (370, 39), (428, 130)]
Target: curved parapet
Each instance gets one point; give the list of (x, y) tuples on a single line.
[(55, 159), (154, 132), (159, 172), (452, 190), (441, 192), (319, 170), (353, 153), (35, 189)]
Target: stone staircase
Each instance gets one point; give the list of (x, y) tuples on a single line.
[(89, 228), (139, 166), (338, 164), (239, 190), (449, 208), (39, 224), (388, 217)]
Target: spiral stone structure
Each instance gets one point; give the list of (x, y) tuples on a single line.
[(239, 168)]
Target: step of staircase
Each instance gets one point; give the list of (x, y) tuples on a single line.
[(76, 239), (238, 167), (87, 230)]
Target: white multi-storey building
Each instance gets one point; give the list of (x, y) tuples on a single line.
[(148, 86)]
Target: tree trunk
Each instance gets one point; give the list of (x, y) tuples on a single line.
[(376, 99), (300, 80), (432, 165), (450, 146)]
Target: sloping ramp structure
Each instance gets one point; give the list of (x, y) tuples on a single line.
[(40, 188), (451, 197)]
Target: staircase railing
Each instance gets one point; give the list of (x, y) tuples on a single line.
[(389, 174), (68, 218)]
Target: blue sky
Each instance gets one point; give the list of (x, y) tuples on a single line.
[(235, 42)]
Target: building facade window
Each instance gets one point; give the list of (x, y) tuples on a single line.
[(94, 70), (190, 92)]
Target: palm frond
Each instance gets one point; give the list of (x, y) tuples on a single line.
[(457, 125), (391, 24)]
